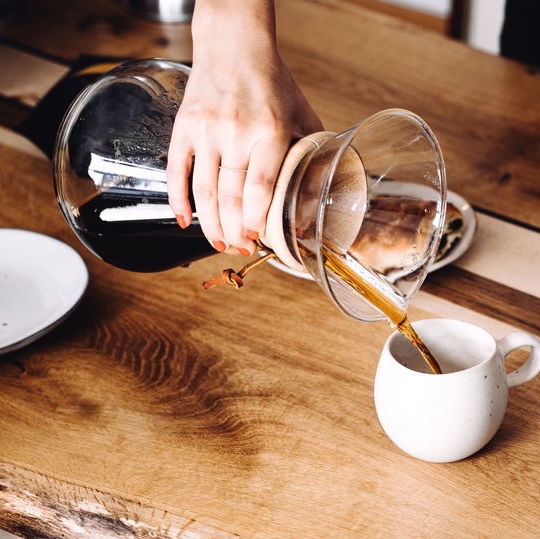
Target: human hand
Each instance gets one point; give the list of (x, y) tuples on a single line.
[(241, 110)]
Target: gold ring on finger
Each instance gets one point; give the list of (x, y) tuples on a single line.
[(234, 169)]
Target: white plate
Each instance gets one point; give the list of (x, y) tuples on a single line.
[(469, 223), (469, 220), (41, 281)]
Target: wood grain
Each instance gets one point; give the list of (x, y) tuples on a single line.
[(183, 413), (25, 77), (419, 18), (474, 102), (203, 405), (489, 297), (352, 62), (64, 30), (32, 509)]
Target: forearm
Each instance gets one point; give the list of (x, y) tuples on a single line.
[(245, 27)]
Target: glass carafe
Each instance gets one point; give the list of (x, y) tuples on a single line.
[(374, 195)]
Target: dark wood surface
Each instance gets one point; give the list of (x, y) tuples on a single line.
[(484, 110), (160, 409)]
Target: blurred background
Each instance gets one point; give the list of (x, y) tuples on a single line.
[(477, 22)]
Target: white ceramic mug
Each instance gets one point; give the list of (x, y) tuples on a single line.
[(447, 417)]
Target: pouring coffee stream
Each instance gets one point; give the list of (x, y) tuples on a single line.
[(386, 173), (396, 316)]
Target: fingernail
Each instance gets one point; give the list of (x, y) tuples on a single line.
[(244, 252), (252, 235), (219, 246), (181, 221)]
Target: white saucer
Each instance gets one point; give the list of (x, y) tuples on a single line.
[(469, 224), (41, 281), (469, 221)]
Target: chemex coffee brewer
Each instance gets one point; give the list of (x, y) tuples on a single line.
[(362, 211)]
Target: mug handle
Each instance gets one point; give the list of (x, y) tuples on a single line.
[(532, 366)]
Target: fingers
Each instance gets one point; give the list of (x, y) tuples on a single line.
[(232, 191), (264, 165), (205, 193), (231, 198), (230, 203), (179, 165)]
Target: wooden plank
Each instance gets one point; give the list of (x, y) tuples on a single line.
[(39, 53), (485, 296), (25, 77), (475, 102), (198, 403), (414, 16), (32, 509), (11, 139), (448, 309), (102, 27), (250, 412), (510, 220), (504, 253)]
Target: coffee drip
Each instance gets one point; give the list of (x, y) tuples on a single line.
[(385, 174)]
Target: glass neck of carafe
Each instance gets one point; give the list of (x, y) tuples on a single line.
[(375, 196)]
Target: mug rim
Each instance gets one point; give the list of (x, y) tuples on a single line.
[(396, 334)]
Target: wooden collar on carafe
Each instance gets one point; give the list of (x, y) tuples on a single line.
[(274, 235)]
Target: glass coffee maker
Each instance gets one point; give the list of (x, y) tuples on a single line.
[(367, 204)]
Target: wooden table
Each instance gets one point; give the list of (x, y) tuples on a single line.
[(162, 410)]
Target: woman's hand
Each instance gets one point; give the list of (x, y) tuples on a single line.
[(241, 110)]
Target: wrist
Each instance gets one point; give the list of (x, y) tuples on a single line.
[(233, 26)]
